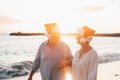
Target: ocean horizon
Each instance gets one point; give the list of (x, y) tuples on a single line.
[(26, 46)]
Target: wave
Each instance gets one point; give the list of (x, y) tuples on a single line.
[(23, 68), (109, 58), (16, 69)]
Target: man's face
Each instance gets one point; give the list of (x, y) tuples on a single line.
[(54, 37)]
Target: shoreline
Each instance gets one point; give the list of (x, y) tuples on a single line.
[(21, 69), (106, 71)]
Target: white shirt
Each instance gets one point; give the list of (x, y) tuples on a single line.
[(48, 59), (85, 67)]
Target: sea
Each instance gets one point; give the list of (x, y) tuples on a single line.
[(20, 48), (15, 49)]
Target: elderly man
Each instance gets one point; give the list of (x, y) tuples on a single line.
[(50, 54)]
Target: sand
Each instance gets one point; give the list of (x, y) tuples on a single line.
[(106, 71), (109, 71)]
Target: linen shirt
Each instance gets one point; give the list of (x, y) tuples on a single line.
[(85, 67), (48, 59)]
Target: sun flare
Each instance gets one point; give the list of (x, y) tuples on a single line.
[(68, 76)]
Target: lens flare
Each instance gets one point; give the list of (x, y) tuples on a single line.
[(68, 76)]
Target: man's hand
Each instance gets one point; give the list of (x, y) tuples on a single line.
[(30, 78), (63, 63), (31, 75)]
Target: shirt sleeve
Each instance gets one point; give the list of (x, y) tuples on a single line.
[(68, 55), (92, 74), (36, 63)]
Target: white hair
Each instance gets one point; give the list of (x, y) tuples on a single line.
[(54, 30), (81, 31)]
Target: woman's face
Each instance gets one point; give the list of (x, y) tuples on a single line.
[(78, 38)]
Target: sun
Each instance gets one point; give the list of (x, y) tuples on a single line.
[(68, 76)]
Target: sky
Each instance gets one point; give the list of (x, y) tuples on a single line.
[(31, 15)]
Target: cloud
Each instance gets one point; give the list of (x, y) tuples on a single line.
[(92, 8), (6, 20)]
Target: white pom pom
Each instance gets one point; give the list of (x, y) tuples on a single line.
[(89, 38), (82, 40)]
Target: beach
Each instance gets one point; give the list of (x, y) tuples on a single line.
[(26, 24), (106, 71), (16, 60), (109, 71)]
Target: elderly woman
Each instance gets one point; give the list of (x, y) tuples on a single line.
[(85, 61), (50, 54)]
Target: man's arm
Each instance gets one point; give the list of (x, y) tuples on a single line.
[(31, 75), (35, 65)]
